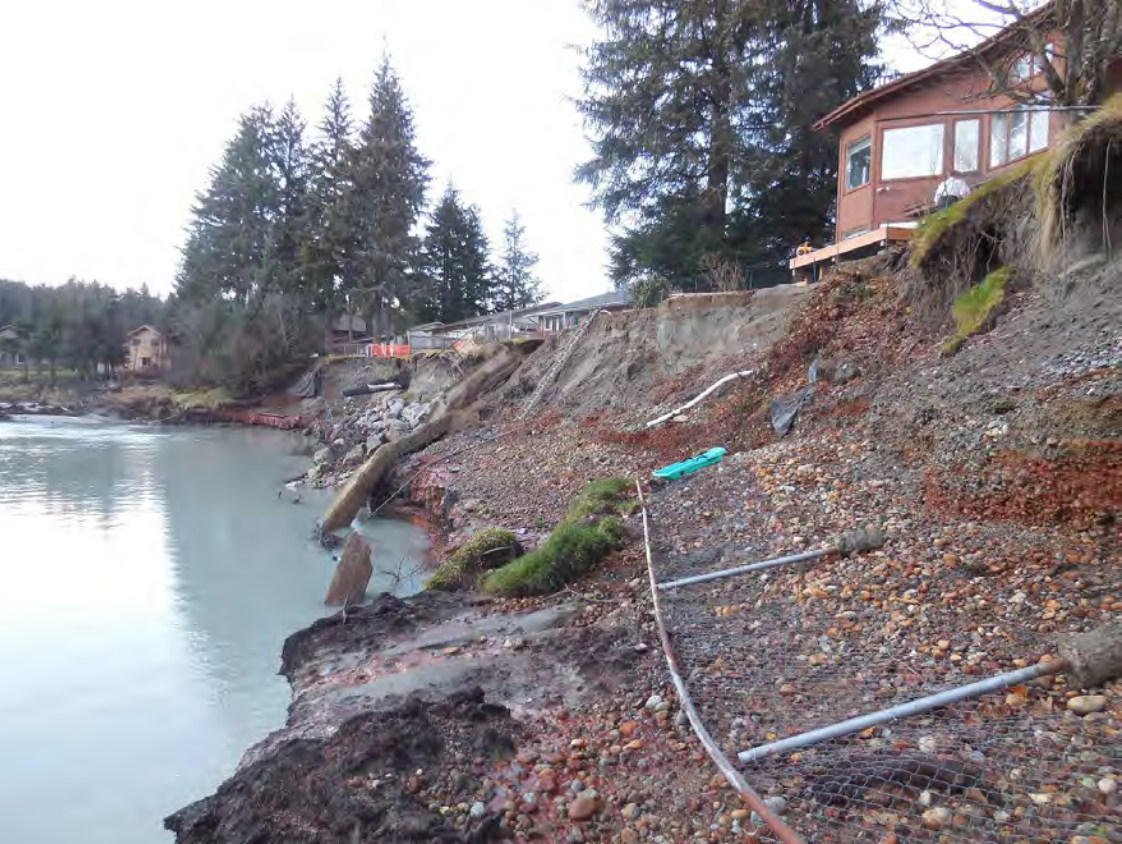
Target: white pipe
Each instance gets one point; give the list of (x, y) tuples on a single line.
[(915, 707), (730, 377), (765, 564)]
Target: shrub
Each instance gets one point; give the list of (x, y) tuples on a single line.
[(590, 530), (472, 559)]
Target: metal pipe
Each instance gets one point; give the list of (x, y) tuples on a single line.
[(769, 816), (980, 111), (765, 564), (915, 707)]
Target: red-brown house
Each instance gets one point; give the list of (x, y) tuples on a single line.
[(899, 141)]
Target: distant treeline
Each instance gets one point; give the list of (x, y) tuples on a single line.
[(296, 228), (80, 325)]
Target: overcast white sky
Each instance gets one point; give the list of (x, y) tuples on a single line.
[(112, 111)]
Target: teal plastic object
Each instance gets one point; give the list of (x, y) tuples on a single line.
[(688, 467)]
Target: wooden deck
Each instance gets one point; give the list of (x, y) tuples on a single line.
[(878, 237)]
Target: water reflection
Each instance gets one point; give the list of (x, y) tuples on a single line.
[(147, 580)]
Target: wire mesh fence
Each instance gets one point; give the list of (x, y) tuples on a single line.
[(778, 653)]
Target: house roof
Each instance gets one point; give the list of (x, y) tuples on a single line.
[(482, 318), (618, 298), (140, 328), (854, 108)]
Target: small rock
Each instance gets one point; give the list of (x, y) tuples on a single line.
[(653, 701), (937, 818), (477, 809), (583, 808), (631, 811), (1086, 704), (1108, 785), (323, 455)]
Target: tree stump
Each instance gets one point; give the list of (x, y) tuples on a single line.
[(352, 575)]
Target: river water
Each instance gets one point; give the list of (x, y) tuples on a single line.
[(148, 577)]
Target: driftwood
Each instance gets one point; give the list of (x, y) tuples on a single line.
[(1093, 657), (352, 575), (351, 498)]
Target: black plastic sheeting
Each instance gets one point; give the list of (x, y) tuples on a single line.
[(784, 409), (310, 384)]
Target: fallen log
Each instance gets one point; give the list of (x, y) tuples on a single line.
[(358, 489)]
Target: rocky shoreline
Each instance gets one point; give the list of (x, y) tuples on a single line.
[(462, 718)]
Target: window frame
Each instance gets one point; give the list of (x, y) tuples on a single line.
[(1006, 117), (978, 146), (864, 139), (942, 165)]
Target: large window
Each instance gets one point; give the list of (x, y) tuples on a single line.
[(1014, 134), (967, 133), (858, 163), (912, 152)]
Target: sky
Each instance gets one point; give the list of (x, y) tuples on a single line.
[(112, 112)]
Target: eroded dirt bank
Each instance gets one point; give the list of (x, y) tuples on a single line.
[(995, 473)]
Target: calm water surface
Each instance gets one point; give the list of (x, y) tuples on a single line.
[(148, 577)]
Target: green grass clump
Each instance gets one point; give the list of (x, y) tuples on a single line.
[(571, 550), (471, 559), (202, 399), (974, 309), (599, 497), (590, 530)]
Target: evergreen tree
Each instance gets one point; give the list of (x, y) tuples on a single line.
[(332, 226), (700, 116), (515, 286), (457, 278), (289, 172), (230, 234), (389, 180)]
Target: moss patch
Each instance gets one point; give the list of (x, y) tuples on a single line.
[(472, 559), (590, 530), (974, 310)]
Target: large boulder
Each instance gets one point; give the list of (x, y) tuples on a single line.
[(352, 575)]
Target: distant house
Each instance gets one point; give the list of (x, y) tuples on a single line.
[(504, 325), (559, 317), (146, 350), (898, 142), (8, 355)]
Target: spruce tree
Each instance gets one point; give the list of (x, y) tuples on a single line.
[(289, 171), (515, 285), (231, 228), (389, 180), (700, 116), (332, 225), (456, 278)]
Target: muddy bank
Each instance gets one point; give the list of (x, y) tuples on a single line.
[(401, 724)]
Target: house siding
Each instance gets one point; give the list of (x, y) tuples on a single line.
[(883, 202)]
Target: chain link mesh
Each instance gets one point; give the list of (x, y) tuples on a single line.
[(774, 654)]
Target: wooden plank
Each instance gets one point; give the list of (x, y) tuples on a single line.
[(885, 234)]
